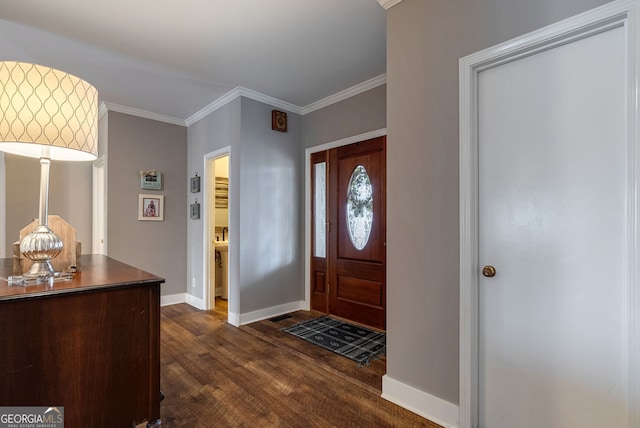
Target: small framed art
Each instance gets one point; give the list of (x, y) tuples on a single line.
[(278, 120), (150, 207), (195, 184), (151, 181), (195, 211)]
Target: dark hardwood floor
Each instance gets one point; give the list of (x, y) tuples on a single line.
[(217, 375)]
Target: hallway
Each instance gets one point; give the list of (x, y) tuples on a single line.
[(213, 374)]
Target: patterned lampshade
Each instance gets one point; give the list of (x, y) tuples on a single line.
[(47, 113), (51, 115)]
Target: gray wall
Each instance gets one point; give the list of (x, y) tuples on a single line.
[(356, 115), (267, 190), (215, 131), (70, 190), (271, 227), (158, 247), (266, 197), (425, 39)]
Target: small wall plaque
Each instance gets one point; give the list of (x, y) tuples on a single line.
[(278, 120), (151, 180), (195, 184), (195, 211)]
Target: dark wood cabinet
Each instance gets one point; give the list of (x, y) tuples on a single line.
[(91, 344)]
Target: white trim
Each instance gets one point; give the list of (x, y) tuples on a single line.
[(240, 91), (190, 299), (144, 114), (347, 93), (633, 309), (266, 99), (233, 319), (236, 92), (273, 311), (468, 171), (102, 110), (611, 15), (99, 207), (349, 140), (388, 3), (218, 103), (419, 402), (3, 207), (194, 301), (173, 299), (307, 203)]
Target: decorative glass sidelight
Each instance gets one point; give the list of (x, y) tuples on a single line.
[(359, 207), (320, 210)]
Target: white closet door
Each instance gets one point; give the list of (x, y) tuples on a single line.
[(552, 206)]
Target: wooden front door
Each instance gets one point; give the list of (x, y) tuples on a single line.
[(348, 279)]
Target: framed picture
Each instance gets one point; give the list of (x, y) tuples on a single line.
[(152, 181), (150, 207), (195, 211), (195, 184), (278, 120)]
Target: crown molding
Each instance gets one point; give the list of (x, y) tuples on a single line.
[(257, 96), (347, 93), (240, 91), (145, 114), (220, 102), (388, 3)]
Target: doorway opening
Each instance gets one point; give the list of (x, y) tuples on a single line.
[(346, 225), (99, 229), (527, 202), (217, 236), (3, 187)]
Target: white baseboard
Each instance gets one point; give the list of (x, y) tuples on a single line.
[(426, 405), (173, 299), (233, 318), (263, 314), (196, 302)]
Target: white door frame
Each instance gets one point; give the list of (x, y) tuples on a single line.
[(308, 193), (621, 13), (3, 207), (207, 179), (99, 205)]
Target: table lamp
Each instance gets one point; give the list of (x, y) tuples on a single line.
[(51, 115)]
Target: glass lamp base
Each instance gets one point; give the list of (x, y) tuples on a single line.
[(40, 246), (47, 279)]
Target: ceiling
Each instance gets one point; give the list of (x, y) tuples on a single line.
[(176, 58)]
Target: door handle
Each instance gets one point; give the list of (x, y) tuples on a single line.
[(489, 271)]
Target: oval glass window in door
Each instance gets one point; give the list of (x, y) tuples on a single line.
[(359, 207)]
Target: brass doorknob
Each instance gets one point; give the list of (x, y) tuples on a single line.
[(489, 271)]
